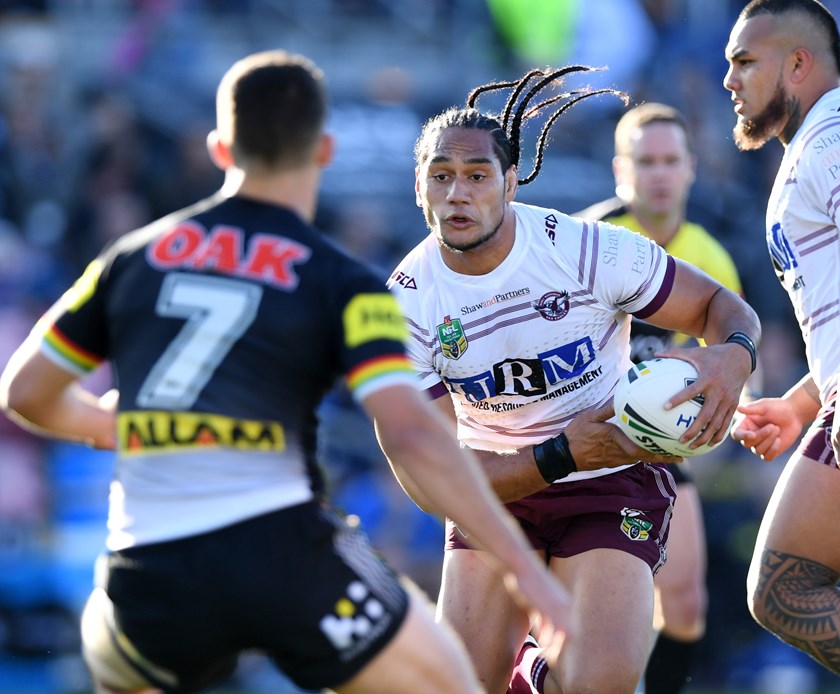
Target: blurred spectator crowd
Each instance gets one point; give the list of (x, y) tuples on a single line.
[(104, 110)]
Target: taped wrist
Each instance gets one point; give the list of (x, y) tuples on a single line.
[(554, 458), (747, 343)]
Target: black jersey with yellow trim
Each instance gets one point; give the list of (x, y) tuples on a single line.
[(231, 308)]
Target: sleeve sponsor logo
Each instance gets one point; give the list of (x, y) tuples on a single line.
[(373, 317), (610, 255), (640, 262), (148, 431), (551, 227), (824, 142), (403, 280)]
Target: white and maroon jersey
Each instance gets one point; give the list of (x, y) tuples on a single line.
[(224, 324), (802, 235), (545, 336)]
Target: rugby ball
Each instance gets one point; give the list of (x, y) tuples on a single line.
[(639, 399)]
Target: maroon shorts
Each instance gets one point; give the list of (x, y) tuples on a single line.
[(816, 444), (628, 510)]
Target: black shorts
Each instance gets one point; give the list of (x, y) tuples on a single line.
[(300, 585)]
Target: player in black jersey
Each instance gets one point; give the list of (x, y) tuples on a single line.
[(224, 324), (654, 170)]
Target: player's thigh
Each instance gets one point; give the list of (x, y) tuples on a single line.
[(110, 667), (422, 658), (682, 578), (801, 516), (475, 603), (612, 595)]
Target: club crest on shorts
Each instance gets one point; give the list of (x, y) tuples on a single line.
[(453, 341), (634, 527)]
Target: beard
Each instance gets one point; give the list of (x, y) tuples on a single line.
[(753, 133), (463, 247)]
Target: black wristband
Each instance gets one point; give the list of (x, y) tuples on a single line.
[(554, 458), (746, 342)]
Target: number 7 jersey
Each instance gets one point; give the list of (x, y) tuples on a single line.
[(224, 324), (543, 337)]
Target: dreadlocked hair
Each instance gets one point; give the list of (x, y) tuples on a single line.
[(506, 128)]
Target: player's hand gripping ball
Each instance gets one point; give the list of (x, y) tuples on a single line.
[(639, 400)]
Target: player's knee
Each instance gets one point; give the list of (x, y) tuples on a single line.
[(685, 615)]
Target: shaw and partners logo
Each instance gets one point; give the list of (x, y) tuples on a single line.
[(527, 376), (146, 431)]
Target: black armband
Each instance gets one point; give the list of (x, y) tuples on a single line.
[(746, 342), (554, 458)]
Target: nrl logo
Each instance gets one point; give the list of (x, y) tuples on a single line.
[(453, 342), (634, 527)]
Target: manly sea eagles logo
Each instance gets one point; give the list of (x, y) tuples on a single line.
[(552, 306), (453, 342)]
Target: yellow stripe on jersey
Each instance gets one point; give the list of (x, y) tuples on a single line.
[(83, 288), (146, 431), (373, 317)]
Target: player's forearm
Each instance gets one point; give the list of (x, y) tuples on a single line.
[(45, 399), (448, 480), (727, 313), (804, 397), (512, 476), (74, 415)]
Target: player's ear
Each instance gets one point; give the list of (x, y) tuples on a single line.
[(511, 183), (801, 61), (219, 152), (325, 150)]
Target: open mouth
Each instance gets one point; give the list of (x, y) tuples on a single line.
[(459, 221)]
